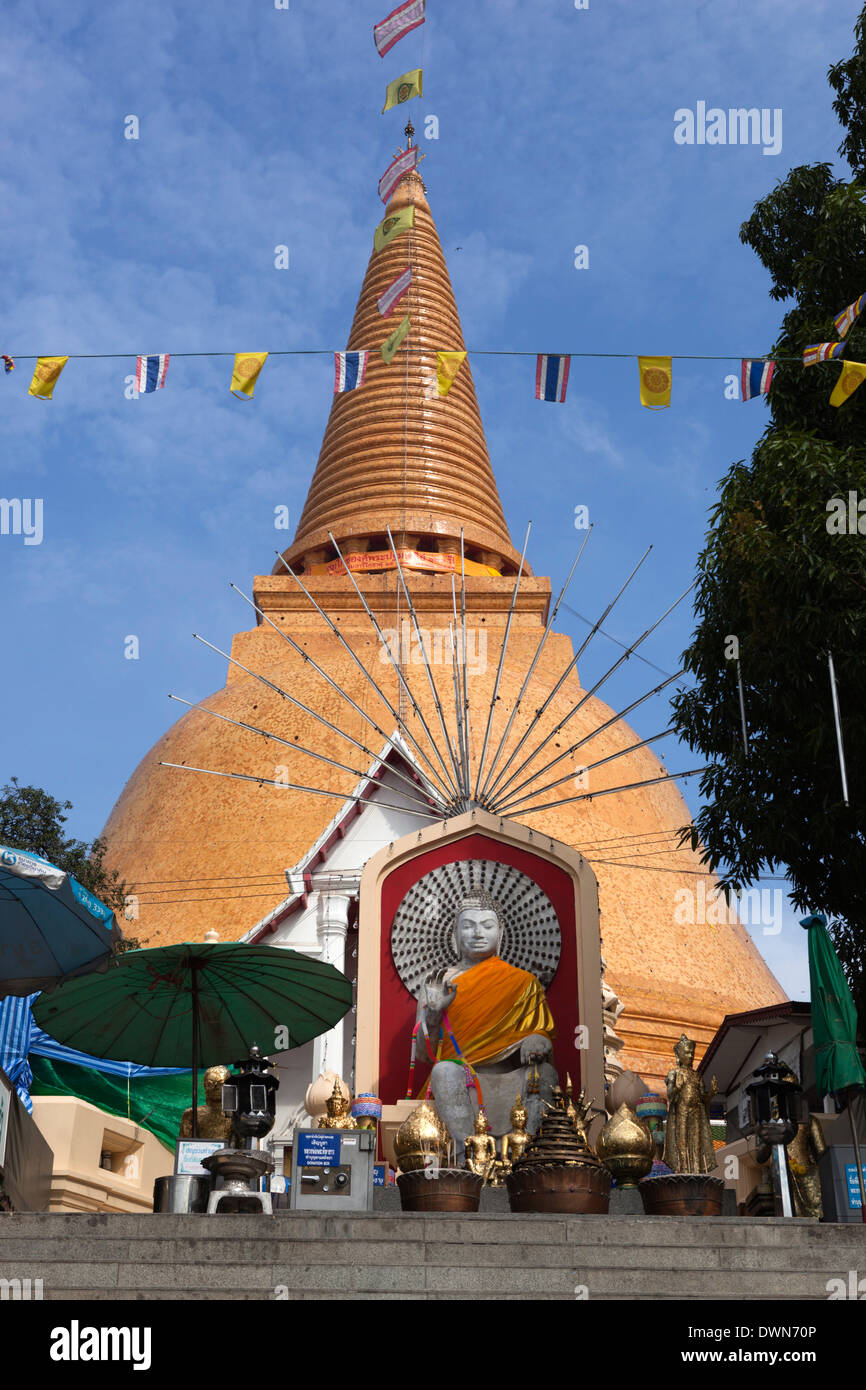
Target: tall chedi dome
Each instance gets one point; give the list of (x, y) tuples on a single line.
[(395, 454)]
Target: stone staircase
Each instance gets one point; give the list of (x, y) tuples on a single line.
[(376, 1256)]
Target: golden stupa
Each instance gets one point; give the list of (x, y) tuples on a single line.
[(207, 852)]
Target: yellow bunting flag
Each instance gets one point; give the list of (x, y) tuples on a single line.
[(448, 364), (852, 374), (393, 341), (246, 373), (655, 382), (403, 89), (46, 376), (392, 226)]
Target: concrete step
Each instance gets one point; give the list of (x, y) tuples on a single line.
[(431, 1257)]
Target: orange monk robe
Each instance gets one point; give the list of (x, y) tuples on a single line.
[(495, 1008)]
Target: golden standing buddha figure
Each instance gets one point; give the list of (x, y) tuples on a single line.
[(480, 1149), (337, 1114), (688, 1138), (211, 1122)]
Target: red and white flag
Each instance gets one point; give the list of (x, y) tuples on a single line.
[(404, 163), (398, 24), (394, 293)]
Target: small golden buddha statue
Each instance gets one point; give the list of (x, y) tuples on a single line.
[(480, 1149), (514, 1143), (337, 1113), (211, 1123)]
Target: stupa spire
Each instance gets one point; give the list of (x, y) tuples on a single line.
[(395, 453)]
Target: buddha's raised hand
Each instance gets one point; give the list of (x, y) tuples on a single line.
[(437, 994)]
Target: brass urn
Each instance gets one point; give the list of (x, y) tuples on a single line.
[(419, 1142), (625, 1147)]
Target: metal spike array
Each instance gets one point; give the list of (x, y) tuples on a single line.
[(439, 777)]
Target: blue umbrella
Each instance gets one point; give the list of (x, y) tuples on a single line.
[(51, 926)]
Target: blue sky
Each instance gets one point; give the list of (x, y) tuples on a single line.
[(261, 127)]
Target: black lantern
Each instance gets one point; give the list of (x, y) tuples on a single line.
[(776, 1103), (774, 1106), (250, 1097)]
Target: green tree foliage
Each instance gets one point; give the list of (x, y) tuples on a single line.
[(31, 819), (783, 573)]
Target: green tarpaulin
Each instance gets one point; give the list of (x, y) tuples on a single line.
[(156, 1103)]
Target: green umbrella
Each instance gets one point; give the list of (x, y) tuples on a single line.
[(834, 1018), (834, 1025), (196, 1005)]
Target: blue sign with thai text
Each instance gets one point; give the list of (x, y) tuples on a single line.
[(317, 1150), (854, 1201)]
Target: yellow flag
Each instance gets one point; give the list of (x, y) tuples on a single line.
[(392, 226), (655, 382), (246, 373), (393, 341), (849, 379), (46, 376), (403, 89), (448, 364)]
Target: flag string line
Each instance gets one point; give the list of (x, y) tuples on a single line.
[(426, 352)]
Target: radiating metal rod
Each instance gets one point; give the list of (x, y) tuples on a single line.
[(293, 787), (464, 675), (599, 683), (309, 752), (538, 650), (455, 680), (560, 682), (431, 682), (509, 807), (402, 750), (396, 665), (462, 714), (839, 745), (362, 668), (609, 791), (508, 798), (320, 718), (495, 693)]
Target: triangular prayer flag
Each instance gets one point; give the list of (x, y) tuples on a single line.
[(397, 25), (394, 293), (350, 368), (551, 376), (401, 165), (246, 373), (655, 382), (821, 352), (404, 89), (393, 341), (150, 372), (392, 226), (848, 316), (46, 375), (852, 374), (8, 363), (756, 376), (448, 364)]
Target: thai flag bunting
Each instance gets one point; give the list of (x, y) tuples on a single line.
[(404, 163), (397, 25), (821, 352), (394, 293), (848, 316), (551, 377), (150, 372), (350, 368), (756, 377)]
